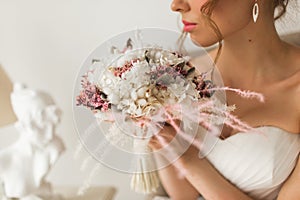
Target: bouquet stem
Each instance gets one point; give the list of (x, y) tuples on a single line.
[(144, 181)]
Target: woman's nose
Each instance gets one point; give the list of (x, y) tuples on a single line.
[(179, 5)]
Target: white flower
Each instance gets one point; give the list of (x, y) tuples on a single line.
[(135, 93)]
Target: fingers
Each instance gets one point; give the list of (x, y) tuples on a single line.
[(164, 137), (173, 122), (161, 139), (169, 148), (154, 144)]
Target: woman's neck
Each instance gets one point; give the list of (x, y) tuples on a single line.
[(255, 55)]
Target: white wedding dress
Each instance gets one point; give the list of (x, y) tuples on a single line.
[(258, 162)]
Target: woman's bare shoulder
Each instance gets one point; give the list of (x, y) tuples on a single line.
[(290, 189), (294, 83), (292, 69), (295, 80), (292, 38)]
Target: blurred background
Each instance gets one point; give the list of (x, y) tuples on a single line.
[(43, 44)]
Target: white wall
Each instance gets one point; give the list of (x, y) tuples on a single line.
[(43, 43)]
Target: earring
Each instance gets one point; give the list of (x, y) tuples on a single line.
[(255, 11)]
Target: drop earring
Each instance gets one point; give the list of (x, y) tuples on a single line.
[(255, 11)]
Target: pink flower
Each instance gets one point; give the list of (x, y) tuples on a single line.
[(90, 96)]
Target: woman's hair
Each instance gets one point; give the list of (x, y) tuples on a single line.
[(281, 5), (207, 10)]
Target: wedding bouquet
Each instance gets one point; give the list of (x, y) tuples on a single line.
[(144, 88), (142, 84)]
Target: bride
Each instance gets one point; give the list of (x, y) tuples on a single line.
[(251, 56)]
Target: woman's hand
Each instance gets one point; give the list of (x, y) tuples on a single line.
[(199, 175), (165, 143), (162, 138), (172, 145)]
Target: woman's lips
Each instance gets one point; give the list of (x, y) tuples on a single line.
[(188, 26)]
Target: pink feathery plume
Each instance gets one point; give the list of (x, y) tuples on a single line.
[(199, 120), (233, 121), (184, 135), (246, 94), (211, 130)]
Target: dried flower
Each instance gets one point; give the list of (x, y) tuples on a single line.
[(91, 97), (148, 87)]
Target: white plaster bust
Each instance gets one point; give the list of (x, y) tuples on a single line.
[(25, 164)]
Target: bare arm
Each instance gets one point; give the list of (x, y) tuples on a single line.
[(290, 189), (177, 188), (200, 176)]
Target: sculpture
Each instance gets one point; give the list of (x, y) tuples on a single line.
[(25, 164)]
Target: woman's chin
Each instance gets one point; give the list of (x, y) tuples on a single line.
[(202, 41)]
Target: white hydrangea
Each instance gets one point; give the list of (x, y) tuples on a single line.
[(135, 94)]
